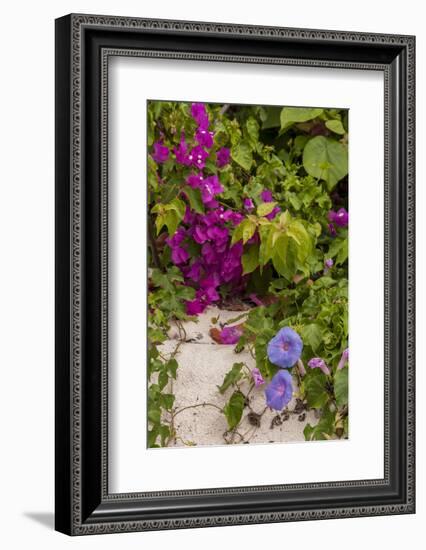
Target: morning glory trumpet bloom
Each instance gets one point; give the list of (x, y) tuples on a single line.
[(257, 377), (318, 363), (285, 348), (279, 391), (344, 359)]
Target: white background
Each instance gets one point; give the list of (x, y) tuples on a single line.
[(131, 82), (26, 302)]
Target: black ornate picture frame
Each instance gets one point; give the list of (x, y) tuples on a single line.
[(84, 43)]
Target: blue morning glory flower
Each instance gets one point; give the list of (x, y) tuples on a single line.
[(285, 347), (279, 391)]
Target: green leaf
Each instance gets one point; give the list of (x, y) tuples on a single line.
[(266, 248), (335, 247), (315, 390), (250, 259), (324, 282), (343, 253), (312, 336), (154, 415), (172, 367), (233, 410), (253, 131), (195, 200), (341, 386), (272, 119), (231, 377), (169, 215), (152, 437), (294, 200), (164, 432), (242, 155), (326, 159), (244, 231), (163, 379), (168, 219), (167, 400), (296, 230), (291, 115), (265, 208), (280, 266), (178, 206), (249, 228), (335, 126), (281, 246), (346, 425), (300, 142), (325, 427), (284, 257)]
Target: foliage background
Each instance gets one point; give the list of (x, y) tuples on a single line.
[(285, 180)]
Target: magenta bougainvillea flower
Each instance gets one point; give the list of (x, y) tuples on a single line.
[(199, 114), (257, 377), (266, 195), (181, 151), (230, 335), (231, 269), (204, 137), (248, 204), (209, 254), (205, 295), (197, 157), (160, 152), (344, 359), (210, 230), (279, 391), (194, 271), (195, 180), (274, 212), (230, 216), (179, 255), (332, 229), (211, 187), (284, 348), (223, 157), (218, 234), (195, 307), (177, 238), (318, 363), (189, 216), (340, 218), (209, 294), (200, 234)]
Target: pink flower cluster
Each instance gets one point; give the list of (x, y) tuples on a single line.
[(218, 263), (337, 219)]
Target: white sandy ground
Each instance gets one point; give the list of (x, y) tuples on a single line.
[(202, 367)]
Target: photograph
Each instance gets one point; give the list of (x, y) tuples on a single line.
[(247, 279)]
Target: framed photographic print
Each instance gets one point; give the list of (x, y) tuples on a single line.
[(234, 213)]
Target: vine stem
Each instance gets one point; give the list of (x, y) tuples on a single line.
[(224, 108), (196, 406), (153, 246)]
